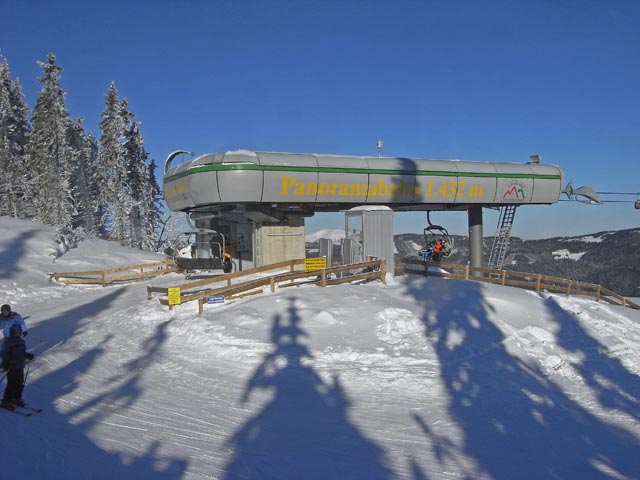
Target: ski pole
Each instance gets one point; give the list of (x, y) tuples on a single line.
[(26, 373)]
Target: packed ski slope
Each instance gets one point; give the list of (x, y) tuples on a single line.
[(418, 379)]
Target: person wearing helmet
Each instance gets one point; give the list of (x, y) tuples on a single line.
[(14, 359), (9, 318)]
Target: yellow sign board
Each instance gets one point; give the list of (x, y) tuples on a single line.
[(311, 264), (174, 295)]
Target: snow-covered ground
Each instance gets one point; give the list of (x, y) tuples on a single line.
[(564, 253), (423, 378)]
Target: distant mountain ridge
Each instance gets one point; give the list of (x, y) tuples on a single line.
[(608, 258), (334, 234)]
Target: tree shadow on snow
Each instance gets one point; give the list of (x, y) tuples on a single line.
[(11, 253), (516, 423), (70, 452), (303, 432), (614, 386)]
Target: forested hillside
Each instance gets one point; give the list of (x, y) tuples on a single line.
[(611, 259)]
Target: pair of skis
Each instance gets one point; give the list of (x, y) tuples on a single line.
[(25, 411)]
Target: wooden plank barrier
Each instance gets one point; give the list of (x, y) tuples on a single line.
[(115, 275), (533, 281), (291, 265), (344, 273)]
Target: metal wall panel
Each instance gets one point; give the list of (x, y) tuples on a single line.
[(325, 249), (433, 181), (543, 189), (204, 188), (240, 186), (177, 194), (391, 187), (515, 189), (476, 183), (377, 233), (285, 178), (342, 179)]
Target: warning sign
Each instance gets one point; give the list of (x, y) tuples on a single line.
[(174, 295), (311, 264)]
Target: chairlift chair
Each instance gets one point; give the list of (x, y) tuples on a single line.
[(432, 234)]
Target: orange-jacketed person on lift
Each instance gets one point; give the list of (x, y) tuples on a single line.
[(227, 264), (438, 246)]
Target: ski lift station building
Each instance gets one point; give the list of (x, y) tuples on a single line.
[(258, 200)]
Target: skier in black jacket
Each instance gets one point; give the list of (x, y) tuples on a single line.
[(14, 359)]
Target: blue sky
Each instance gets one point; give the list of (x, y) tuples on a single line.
[(473, 80)]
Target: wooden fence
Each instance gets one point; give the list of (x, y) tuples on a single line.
[(200, 290), (533, 281), (115, 275)]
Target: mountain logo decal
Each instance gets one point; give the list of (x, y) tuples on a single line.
[(514, 191)]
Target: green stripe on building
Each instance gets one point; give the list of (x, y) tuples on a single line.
[(360, 171)]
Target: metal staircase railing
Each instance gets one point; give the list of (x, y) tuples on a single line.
[(502, 237)]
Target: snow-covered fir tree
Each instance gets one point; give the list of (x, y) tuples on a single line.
[(114, 200), (14, 129), (58, 174), (153, 215), (49, 156), (138, 174), (85, 150)]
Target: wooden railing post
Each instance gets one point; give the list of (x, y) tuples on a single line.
[(466, 272), (323, 278), (569, 287), (504, 277), (200, 306), (538, 281), (598, 291), (272, 284), (383, 271)]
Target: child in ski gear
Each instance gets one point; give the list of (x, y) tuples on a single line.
[(434, 251), (14, 359), (9, 318), (426, 253)]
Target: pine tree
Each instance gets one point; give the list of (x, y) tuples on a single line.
[(49, 156), (137, 179), (83, 183), (153, 220), (142, 186), (14, 129), (111, 172)]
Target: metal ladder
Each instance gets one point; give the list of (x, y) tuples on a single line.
[(501, 239)]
